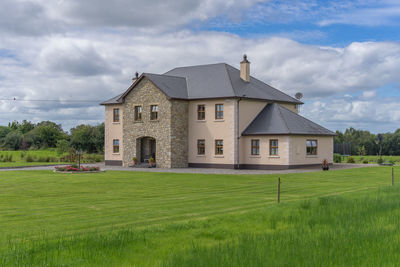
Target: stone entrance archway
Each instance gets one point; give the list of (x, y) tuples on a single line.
[(145, 148)]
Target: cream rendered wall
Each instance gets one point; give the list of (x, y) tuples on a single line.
[(249, 109), (113, 130), (264, 157), (298, 152), (210, 130), (291, 107)]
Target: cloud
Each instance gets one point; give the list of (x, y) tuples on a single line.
[(76, 57), (26, 18), (98, 65)]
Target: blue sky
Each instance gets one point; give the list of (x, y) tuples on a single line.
[(344, 56)]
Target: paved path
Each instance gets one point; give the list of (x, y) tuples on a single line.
[(206, 170)]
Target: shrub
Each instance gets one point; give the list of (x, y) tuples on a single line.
[(379, 161), (350, 160), (365, 161), (337, 158), (29, 158)]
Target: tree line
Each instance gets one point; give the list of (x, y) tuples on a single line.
[(46, 134), (363, 142)]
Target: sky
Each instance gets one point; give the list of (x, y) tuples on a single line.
[(344, 56)]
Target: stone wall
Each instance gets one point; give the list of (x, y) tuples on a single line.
[(179, 133), (169, 131)]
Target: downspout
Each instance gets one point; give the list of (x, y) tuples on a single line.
[(237, 156)]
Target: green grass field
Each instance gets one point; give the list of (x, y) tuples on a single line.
[(150, 219), (39, 157)]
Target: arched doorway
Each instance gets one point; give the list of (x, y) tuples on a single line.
[(147, 149)]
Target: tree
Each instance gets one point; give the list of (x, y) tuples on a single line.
[(13, 140), (62, 146), (88, 138)]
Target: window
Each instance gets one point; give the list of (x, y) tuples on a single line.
[(138, 113), (273, 147), (201, 112), (255, 147), (116, 115), (219, 147), (201, 147), (153, 112), (312, 147), (219, 111), (116, 146)]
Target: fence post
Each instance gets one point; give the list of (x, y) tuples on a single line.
[(392, 176), (279, 190)]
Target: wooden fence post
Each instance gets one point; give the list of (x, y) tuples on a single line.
[(392, 176), (279, 190)]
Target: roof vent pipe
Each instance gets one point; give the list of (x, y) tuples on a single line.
[(245, 69)]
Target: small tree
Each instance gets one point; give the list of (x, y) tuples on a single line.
[(62, 146)]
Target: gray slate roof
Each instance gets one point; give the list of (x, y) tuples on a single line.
[(113, 100), (209, 81), (223, 80), (276, 120)]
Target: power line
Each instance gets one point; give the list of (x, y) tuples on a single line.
[(51, 100)]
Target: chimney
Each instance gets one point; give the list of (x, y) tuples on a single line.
[(245, 69), (136, 77)]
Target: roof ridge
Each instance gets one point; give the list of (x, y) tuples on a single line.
[(190, 66), (164, 75), (280, 114), (298, 101), (305, 118), (230, 79)]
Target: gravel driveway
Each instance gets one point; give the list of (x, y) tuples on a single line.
[(204, 170)]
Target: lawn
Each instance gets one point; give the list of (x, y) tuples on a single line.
[(127, 218), (36, 158)]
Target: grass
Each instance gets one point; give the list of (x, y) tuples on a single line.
[(329, 231), (36, 158), (127, 218)]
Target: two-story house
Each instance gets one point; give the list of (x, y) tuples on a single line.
[(211, 116)]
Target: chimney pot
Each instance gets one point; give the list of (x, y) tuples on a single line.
[(136, 77), (245, 69)]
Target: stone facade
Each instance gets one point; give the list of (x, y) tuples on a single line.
[(170, 130)]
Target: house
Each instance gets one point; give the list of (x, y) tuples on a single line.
[(211, 116)]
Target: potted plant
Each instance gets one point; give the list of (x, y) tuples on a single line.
[(325, 165), (134, 160), (151, 162)]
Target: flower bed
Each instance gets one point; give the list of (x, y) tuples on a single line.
[(74, 168)]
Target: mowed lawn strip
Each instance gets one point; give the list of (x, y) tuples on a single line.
[(43, 201)]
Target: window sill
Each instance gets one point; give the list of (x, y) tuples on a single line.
[(255, 156), (116, 122), (218, 156), (154, 120), (274, 157), (116, 153), (222, 120), (312, 156), (201, 121), (137, 121), (201, 156)]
